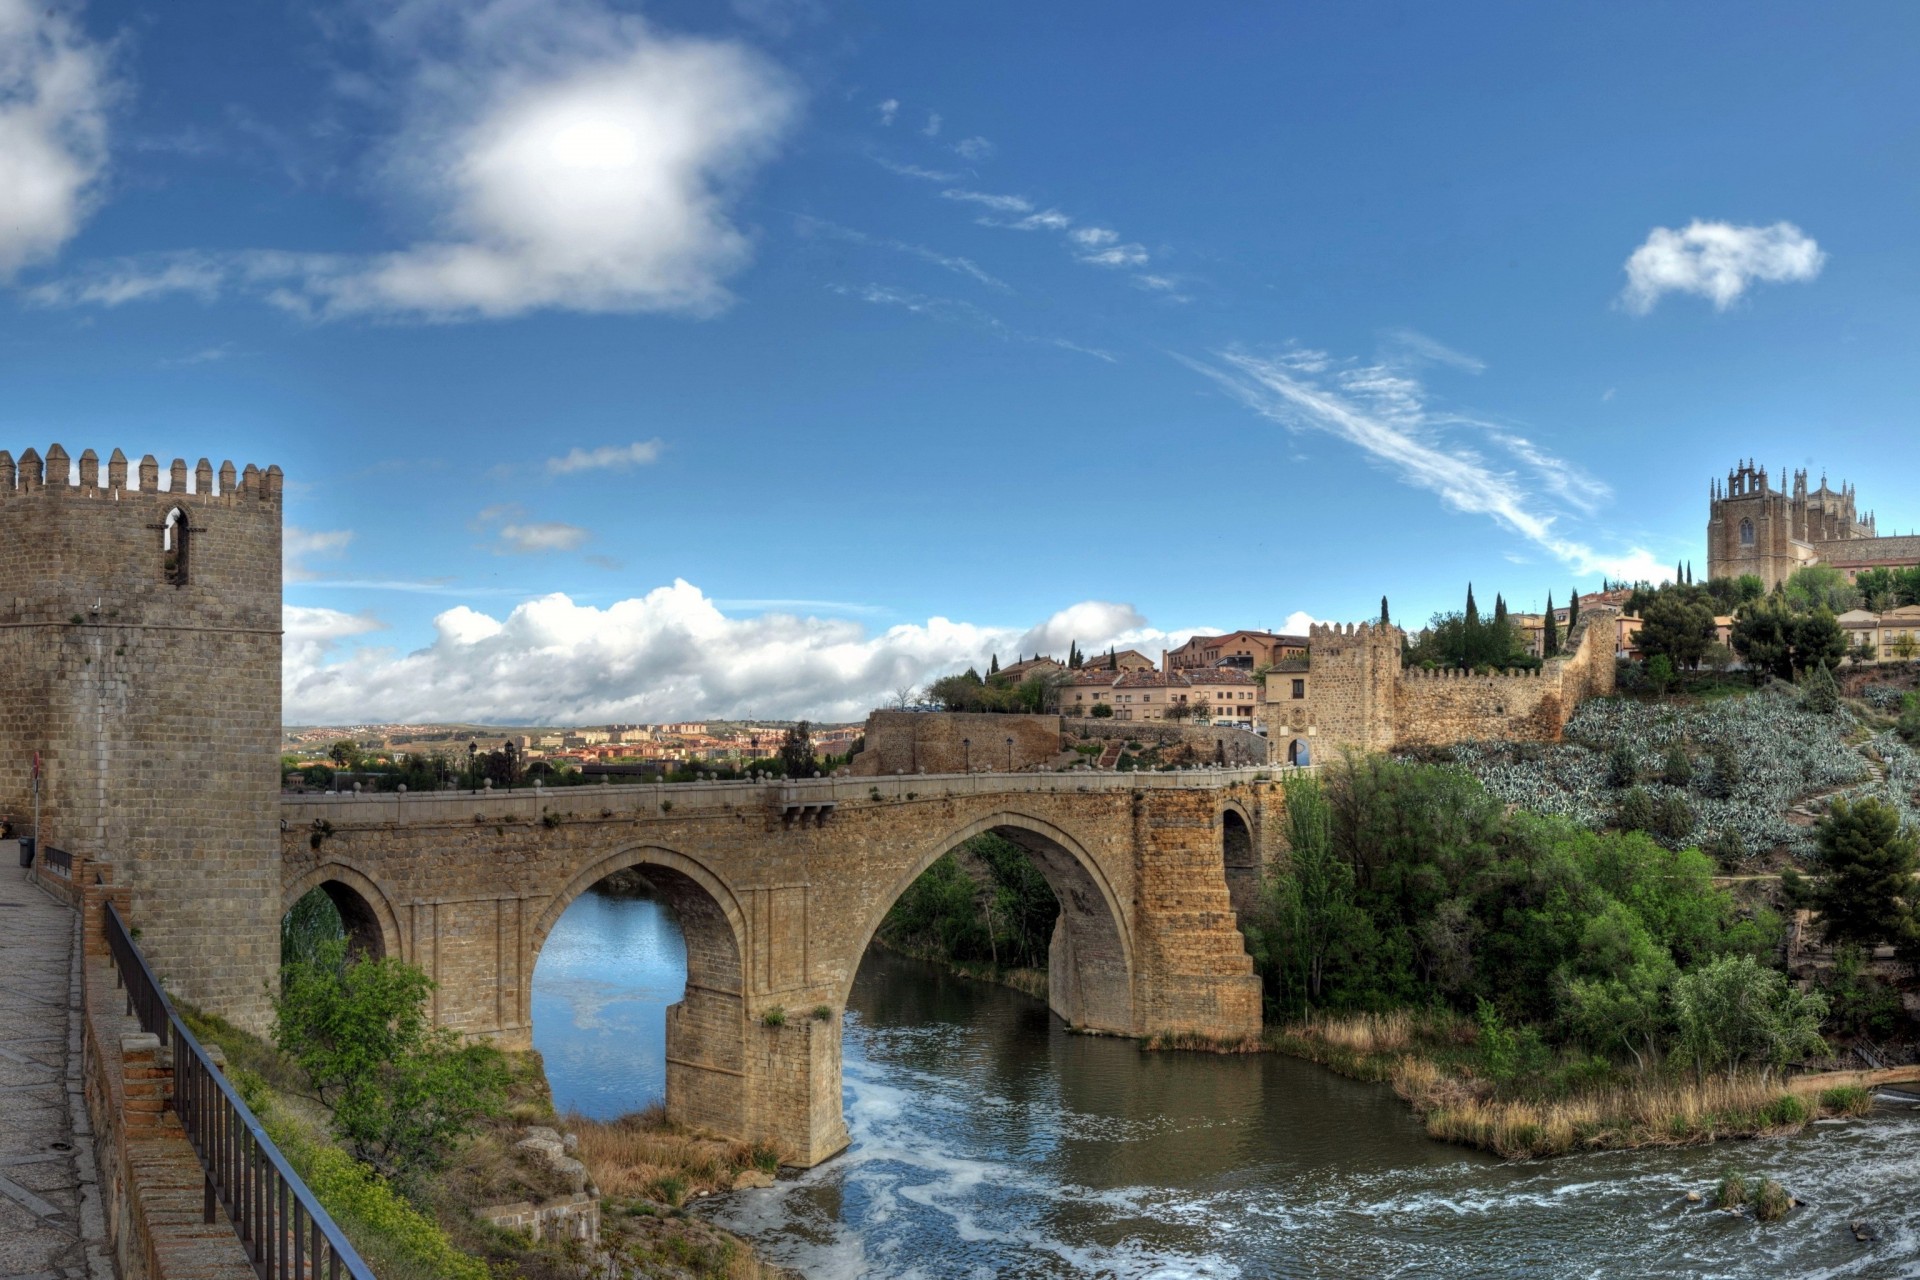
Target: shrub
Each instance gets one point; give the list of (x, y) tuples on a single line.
[(1908, 726), (1636, 811), (1723, 776), (1819, 693), (1726, 848), (670, 1189), (1731, 1193), (1623, 768), (774, 1017), (1734, 1013), (1846, 1100), (1677, 769), (1101, 711), (1673, 819), (400, 1091)]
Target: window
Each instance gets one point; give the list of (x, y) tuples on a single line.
[(173, 547), (1299, 688), (1746, 533)]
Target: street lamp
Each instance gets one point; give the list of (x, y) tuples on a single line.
[(473, 766), (966, 745), (1009, 754), (513, 754)]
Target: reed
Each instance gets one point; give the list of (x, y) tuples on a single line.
[(646, 1156), (1201, 1042)]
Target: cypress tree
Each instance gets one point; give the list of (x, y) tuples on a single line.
[(1573, 611), (993, 665), (1385, 619), (1550, 638)]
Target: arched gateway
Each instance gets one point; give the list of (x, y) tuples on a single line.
[(779, 888)]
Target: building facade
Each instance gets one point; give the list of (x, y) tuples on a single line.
[(1757, 527)]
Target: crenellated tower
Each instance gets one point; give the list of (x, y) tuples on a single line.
[(142, 665)]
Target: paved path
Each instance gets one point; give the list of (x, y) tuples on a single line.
[(50, 1217)]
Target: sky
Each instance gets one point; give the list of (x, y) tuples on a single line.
[(653, 362)]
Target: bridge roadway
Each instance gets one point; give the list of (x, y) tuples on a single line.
[(779, 887)]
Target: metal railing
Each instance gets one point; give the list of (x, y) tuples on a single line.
[(286, 1233), (58, 861)]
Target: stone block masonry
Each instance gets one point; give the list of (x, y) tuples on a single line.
[(140, 659), (779, 888)]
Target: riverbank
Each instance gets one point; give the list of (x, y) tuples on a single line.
[(645, 1168), (1028, 982), (1431, 1060)]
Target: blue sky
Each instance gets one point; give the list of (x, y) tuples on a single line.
[(641, 362)]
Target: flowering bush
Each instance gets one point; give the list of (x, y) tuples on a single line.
[(1783, 754)]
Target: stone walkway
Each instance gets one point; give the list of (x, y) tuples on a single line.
[(51, 1225)]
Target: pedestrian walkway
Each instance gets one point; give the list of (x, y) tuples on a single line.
[(51, 1225)]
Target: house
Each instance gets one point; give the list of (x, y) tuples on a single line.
[(1248, 650)]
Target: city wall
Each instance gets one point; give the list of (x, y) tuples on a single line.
[(1218, 744), (956, 742)]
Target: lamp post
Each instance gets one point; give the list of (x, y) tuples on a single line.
[(966, 745), (513, 754), (1009, 753), (473, 767)]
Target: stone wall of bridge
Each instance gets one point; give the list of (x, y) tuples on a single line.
[(779, 888)]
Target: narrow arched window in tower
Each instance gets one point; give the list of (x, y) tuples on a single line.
[(174, 536), (1746, 533)]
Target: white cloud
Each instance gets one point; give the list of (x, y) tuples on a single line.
[(952, 262), (932, 129), (1045, 220), (915, 171), (297, 545), (999, 204), (671, 654), (570, 158), (54, 94), (1382, 410), (1717, 260), (888, 110), (519, 535), (608, 457), (1119, 255), (975, 149), (1093, 237)]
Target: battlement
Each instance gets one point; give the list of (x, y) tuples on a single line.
[(57, 475), (1454, 673), (1363, 631)]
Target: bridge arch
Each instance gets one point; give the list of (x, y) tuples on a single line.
[(707, 1028), (1090, 967), (1239, 857), (365, 908)]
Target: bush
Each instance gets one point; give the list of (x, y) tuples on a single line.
[(1908, 726), (1677, 769), (400, 1092), (1733, 1013), (1846, 1100), (1771, 1202), (1636, 811), (1818, 692), (1673, 819), (1731, 1193), (1726, 848), (1101, 711), (1623, 768), (1660, 674)]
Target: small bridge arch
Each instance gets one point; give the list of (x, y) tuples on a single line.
[(373, 929)]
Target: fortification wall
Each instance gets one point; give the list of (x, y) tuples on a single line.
[(1434, 708), (1224, 744), (150, 687), (954, 742)]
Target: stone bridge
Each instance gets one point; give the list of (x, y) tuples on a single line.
[(779, 888)]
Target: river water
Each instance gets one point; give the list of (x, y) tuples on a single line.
[(989, 1142)]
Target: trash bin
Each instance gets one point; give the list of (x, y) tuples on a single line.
[(26, 851)]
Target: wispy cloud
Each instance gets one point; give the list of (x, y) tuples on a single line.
[(298, 545), (1420, 346), (1383, 411), (951, 262), (1119, 255), (975, 149), (1045, 220), (205, 355), (916, 171), (932, 128), (997, 203), (961, 312), (1718, 261), (888, 110), (608, 457), (1093, 237)]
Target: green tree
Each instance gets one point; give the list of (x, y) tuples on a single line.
[(1733, 1013), (1676, 769), (400, 1092), (1385, 618), (1865, 893), (1677, 622), (1573, 612), (1818, 640), (1550, 635), (1763, 633), (1309, 919), (1908, 726), (1660, 674), (796, 750), (1820, 586), (1819, 693)]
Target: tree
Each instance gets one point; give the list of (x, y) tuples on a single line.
[(1385, 618), (1818, 692), (796, 750), (1573, 612), (1763, 637), (1818, 640), (1865, 894), (993, 665), (1820, 586), (1473, 611), (1660, 674), (1734, 1013), (1676, 622), (1074, 656), (1309, 916), (1550, 636), (1101, 711), (400, 1091)]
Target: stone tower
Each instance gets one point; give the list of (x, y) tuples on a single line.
[(141, 661), (1356, 674)]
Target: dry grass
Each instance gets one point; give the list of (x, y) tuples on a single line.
[(644, 1155), (1201, 1042)]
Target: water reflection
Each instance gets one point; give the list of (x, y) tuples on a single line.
[(990, 1142)]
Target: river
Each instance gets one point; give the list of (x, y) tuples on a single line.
[(989, 1142)]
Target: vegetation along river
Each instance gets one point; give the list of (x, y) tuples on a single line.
[(989, 1142)]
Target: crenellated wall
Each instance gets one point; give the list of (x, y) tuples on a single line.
[(1360, 697), (142, 664)]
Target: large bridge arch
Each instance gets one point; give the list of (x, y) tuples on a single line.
[(366, 909), (1090, 967), (707, 1028)]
